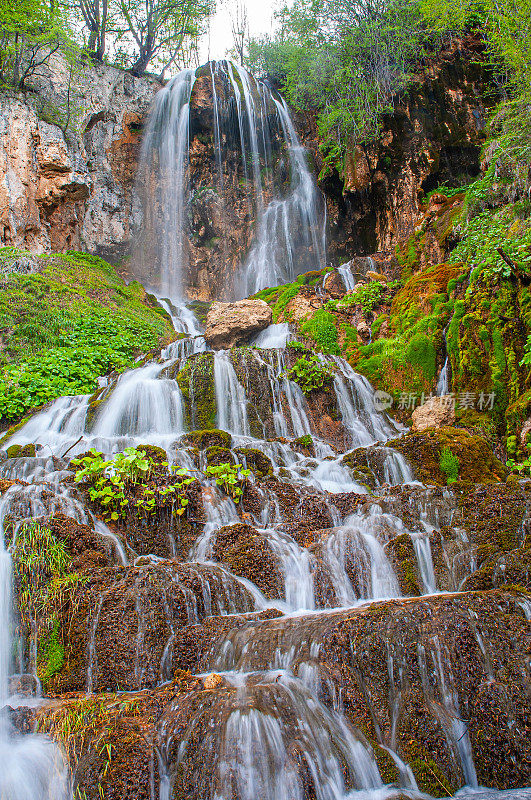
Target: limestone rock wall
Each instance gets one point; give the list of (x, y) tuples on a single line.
[(68, 186), (433, 136)]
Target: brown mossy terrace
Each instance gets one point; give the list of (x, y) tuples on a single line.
[(129, 627)]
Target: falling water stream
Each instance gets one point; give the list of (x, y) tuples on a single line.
[(276, 696), (147, 405), (283, 200)]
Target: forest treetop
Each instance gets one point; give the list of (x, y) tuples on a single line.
[(345, 61), (131, 34)]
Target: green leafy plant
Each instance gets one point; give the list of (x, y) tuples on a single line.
[(132, 479), (230, 478), (367, 296), (294, 344), (521, 467), (310, 373), (449, 465)]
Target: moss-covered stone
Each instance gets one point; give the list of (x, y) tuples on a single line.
[(246, 553), (208, 438), (477, 463), (218, 455), (196, 381), (21, 451), (255, 460)]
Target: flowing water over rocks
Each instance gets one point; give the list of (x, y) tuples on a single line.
[(345, 627), (318, 675)]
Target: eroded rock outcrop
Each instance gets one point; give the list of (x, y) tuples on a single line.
[(434, 413), (433, 136), (66, 183), (230, 324)]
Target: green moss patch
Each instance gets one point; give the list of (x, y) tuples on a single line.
[(65, 325), (476, 461)]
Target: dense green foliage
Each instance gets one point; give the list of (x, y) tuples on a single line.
[(367, 296), (449, 464), (31, 32), (67, 324), (322, 330), (346, 61), (310, 372), (132, 480), (132, 33)]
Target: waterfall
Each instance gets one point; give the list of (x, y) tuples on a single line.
[(443, 382), (31, 767), (345, 270), (230, 396), (165, 155), (286, 211)]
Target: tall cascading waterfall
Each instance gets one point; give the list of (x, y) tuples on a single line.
[(281, 210), (278, 730)]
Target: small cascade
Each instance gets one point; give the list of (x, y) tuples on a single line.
[(275, 337), (231, 402), (345, 270), (444, 701), (142, 405), (31, 767), (421, 543), (254, 752), (296, 566), (355, 400), (356, 562), (443, 382)]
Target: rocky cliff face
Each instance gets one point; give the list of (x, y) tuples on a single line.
[(68, 186), (75, 191), (433, 136)]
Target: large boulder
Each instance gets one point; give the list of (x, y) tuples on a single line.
[(230, 324), (436, 412)]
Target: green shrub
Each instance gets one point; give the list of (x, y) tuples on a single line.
[(321, 328), (310, 373), (449, 465)]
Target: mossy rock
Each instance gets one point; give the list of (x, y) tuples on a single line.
[(19, 451), (356, 461), (218, 455), (208, 438), (157, 454), (246, 553), (304, 445), (401, 552), (256, 461), (477, 462), (196, 381)]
